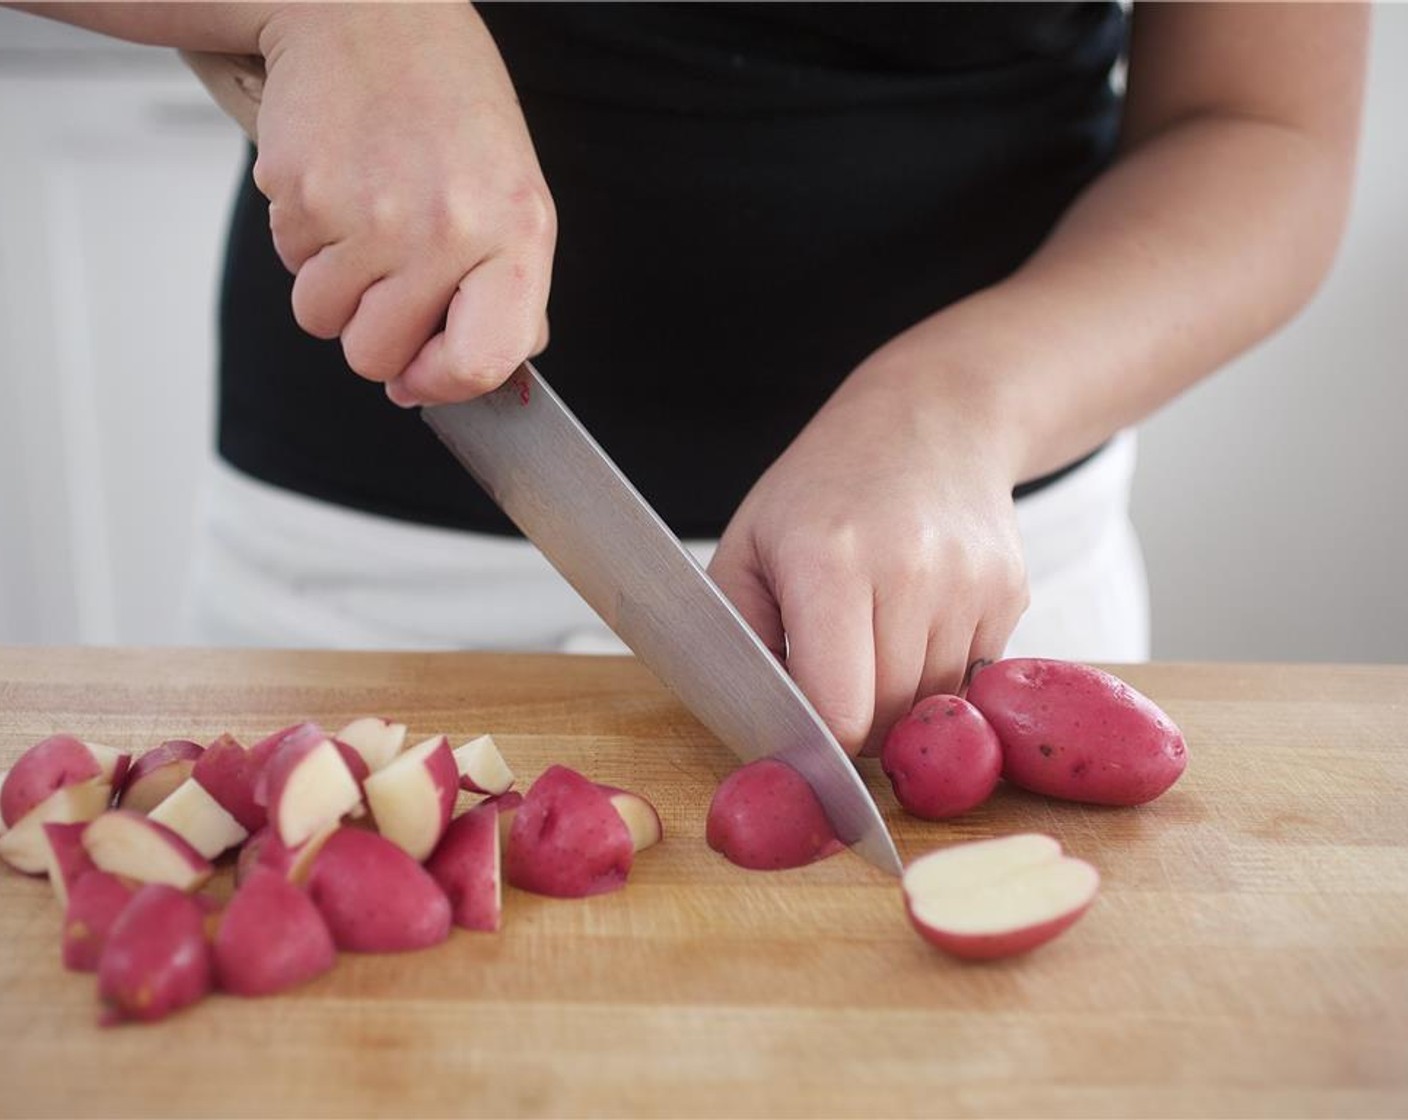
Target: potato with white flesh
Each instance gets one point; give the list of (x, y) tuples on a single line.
[(48, 766), (270, 937), (199, 819), (377, 740), (156, 959), (130, 844), (306, 785), (374, 897), (482, 768), (265, 849), (505, 807), (466, 865), (66, 859), (154, 774), (95, 902), (228, 772), (567, 840), (113, 763), (413, 796), (641, 817), (996, 898), (25, 847)]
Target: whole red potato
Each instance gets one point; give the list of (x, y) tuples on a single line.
[(942, 759), (1077, 732)]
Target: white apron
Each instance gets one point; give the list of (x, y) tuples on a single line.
[(274, 568)]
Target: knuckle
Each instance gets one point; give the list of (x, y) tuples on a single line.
[(479, 369), (366, 358), (386, 215), (533, 216), (310, 310)]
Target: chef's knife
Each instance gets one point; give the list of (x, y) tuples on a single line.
[(546, 472)]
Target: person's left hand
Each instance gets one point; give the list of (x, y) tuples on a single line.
[(879, 557)]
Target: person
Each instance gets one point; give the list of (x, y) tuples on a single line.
[(866, 299)]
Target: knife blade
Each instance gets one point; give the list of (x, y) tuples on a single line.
[(546, 472)]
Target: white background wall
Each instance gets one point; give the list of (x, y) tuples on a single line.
[(1268, 498)]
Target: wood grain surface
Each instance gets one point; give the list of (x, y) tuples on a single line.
[(1248, 955)]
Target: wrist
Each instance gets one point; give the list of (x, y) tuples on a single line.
[(962, 400)]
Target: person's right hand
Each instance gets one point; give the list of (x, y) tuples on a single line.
[(404, 194)]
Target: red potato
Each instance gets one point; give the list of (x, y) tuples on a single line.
[(265, 849), (482, 768), (227, 772), (567, 840), (1079, 733), (156, 959), (200, 820), (413, 796), (377, 740), (374, 897), (505, 806), (66, 859), (270, 937), (942, 758), (43, 769), (466, 865), (127, 843), (154, 774), (113, 763), (95, 902), (764, 816), (642, 819), (25, 847), (997, 898), (306, 785)]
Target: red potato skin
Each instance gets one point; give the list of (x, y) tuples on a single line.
[(95, 902), (264, 752), (71, 858), (173, 752), (465, 864), (227, 772), (567, 840), (991, 947), (942, 759), (270, 937), (266, 850), (46, 767), (765, 817), (156, 959), (374, 897), (1077, 732), (355, 763)]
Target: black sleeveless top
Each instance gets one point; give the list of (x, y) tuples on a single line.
[(751, 199)]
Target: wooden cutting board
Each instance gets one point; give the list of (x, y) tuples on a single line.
[(1248, 955)]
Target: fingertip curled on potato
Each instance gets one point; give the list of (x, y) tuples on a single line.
[(1077, 732), (942, 758), (765, 817)]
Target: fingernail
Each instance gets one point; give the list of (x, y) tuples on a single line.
[(398, 396)]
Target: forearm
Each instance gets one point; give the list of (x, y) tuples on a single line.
[(1213, 227), (226, 28), (1187, 251)]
